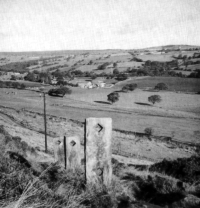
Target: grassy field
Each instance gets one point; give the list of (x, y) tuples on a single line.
[(177, 114), (132, 112), (174, 83), (156, 57), (192, 67)]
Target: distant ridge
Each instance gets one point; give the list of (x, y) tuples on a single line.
[(61, 52), (172, 47)]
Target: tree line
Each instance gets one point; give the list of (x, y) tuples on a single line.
[(8, 84)]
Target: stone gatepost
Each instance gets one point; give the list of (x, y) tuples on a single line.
[(98, 152), (73, 148), (58, 151), (69, 156)]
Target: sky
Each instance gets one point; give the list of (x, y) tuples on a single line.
[(39, 25)]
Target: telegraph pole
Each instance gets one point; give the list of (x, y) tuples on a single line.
[(45, 122), (65, 152)]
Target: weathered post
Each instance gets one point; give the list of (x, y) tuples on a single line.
[(59, 151), (68, 152), (73, 148), (98, 152)]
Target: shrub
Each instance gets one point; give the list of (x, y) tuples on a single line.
[(154, 99), (161, 86), (113, 97), (185, 169), (129, 87), (149, 132)]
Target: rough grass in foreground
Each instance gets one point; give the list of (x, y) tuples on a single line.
[(54, 188), (21, 186)]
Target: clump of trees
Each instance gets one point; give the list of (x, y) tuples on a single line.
[(103, 66), (38, 77), (161, 86), (59, 92), (154, 99), (15, 85), (195, 74), (113, 97), (121, 77), (63, 83), (136, 59), (129, 87)]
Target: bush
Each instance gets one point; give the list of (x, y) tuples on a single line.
[(60, 92), (161, 86), (113, 97), (154, 99), (148, 131), (185, 169), (129, 87)]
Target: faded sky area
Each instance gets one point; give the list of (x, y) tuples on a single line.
[(36, 25)]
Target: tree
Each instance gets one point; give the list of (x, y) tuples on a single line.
[(22, 86), (161, 86), (13, 77), (129, 87), (90, 62), (154, 99), (60, 92), (30, 77), (93, 76), (113, 97), (115, 71), (115, 65), (44, 77), (15, 84)]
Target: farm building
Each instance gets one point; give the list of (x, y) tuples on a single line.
[(92, 84), (54, 81)]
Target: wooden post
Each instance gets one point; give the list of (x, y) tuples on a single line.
[(45, 122), (65, 151), (98, 150)]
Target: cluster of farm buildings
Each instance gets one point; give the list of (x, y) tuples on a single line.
[(94, 84)]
